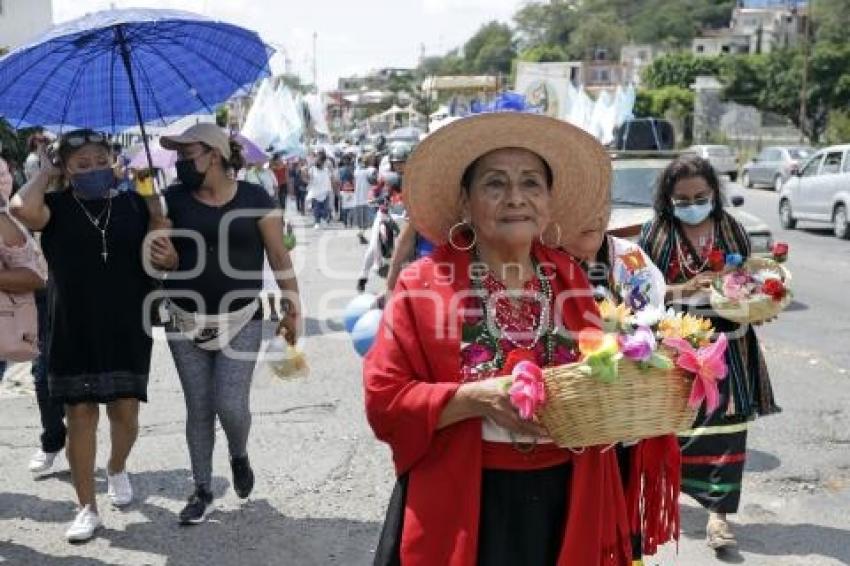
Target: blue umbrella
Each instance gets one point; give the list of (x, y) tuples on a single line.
[(115, 69)]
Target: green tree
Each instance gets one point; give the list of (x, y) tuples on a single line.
[(838, 127), (546, 53), (773, 83), (222, 116), (491, 49), (679, 69), (546, 23), (664, 23), (831, 20), (598, 30), (670, 100)]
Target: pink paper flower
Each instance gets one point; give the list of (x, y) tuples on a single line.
[(527, 392), (735, 286), (708, 367), (476, 354), (638, 346)]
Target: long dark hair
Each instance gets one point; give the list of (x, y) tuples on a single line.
[(686, 167)]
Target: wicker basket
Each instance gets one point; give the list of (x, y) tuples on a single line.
[(581, 411), (758, 309)]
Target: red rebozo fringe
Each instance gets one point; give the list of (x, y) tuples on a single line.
[(653, 500)]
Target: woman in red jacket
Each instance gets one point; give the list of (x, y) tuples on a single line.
[(477, 483)]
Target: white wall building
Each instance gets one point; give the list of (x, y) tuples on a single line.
[(23, 20), (754, 30), (636, 57)]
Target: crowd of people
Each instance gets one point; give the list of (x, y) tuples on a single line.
[(513, 206)]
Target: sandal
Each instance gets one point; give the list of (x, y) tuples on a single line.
[(719, 535)]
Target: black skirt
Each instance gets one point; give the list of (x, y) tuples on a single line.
[(522, 518)]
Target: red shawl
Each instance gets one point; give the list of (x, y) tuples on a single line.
[(411, 373)]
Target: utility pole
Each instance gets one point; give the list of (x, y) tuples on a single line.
[(804, 86)]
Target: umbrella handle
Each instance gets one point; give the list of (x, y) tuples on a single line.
[(158, 210)]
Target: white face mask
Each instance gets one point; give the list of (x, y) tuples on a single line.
[(695, 213)]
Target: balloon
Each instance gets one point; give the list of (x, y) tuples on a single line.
[(357, 308), (363, 334)]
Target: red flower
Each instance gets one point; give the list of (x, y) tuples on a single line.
[(716, 260), (774, 289), (516, 356), (780, 251)]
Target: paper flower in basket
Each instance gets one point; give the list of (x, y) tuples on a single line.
[(614, 316), (774, 288), (780, 251), (527, 392), (516, 356), (736, 286), (642, 347), (707, 365), (638, 346), (601, 354), (734, 260)]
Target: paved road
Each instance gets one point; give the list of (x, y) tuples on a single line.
[(323, 480)]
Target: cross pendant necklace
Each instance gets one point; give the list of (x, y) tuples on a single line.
[(95, 221)]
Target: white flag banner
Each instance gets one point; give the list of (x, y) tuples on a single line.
[(317, 114), (260, 122), (546, 86), (582, 110)]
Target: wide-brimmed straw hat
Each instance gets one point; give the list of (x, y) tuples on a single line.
[(581, 171)]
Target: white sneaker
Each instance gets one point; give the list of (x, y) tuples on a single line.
[(317, 226), (42, 462), (84, 526), (119, 489)]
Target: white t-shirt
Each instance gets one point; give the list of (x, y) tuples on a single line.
[(320, 186), (362, 185)]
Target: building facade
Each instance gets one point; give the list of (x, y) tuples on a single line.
[(756, 27)]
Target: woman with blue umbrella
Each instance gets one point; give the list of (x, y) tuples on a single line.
[(99, 346)]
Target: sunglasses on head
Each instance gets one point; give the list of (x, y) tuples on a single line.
[(80, 139)]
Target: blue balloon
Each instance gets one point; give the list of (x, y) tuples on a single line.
[(364, 332), (358, 306)]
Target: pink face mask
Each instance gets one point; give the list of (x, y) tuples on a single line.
[(5, 181)]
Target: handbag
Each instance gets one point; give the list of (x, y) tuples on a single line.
[(18, 319)]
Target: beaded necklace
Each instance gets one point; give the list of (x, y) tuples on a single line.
[(494, 324)]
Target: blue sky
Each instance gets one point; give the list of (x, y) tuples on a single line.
[(353, 35)]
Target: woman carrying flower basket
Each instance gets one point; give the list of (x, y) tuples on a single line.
[(479, 480), (625, 280), (690, 240)]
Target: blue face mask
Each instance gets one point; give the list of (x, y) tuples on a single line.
[(93, 184), (693, 214)]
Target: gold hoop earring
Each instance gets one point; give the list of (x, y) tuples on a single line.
[(543, 233), (452, 233)]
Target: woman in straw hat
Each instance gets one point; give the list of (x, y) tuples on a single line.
[(498, 194)]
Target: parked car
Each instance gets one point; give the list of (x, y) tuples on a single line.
[(819, 192), (722, 157), (633, 192), (773, 166)]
